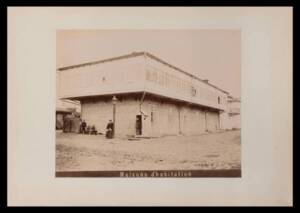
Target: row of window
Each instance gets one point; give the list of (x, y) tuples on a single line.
[(173, 82)]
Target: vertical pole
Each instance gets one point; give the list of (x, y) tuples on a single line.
[(179, 119), (114, 119), (205, 120), (219, 116)]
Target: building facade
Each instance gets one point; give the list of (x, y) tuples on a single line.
[(155, 98), (234, 112)]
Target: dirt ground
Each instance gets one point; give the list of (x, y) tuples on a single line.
[(75, 152)]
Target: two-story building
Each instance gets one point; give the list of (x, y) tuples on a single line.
[(155, 98)]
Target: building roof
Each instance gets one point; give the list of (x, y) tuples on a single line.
[(135, 54), (63, 110)]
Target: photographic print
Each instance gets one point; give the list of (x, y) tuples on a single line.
[(172, 106), (148, 103)]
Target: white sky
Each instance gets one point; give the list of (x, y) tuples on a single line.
[(209, 54)]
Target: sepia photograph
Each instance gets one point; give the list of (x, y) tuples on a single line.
[(150, 106), (148, 103)]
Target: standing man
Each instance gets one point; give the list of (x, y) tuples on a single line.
[(83, 126), (65, 123), (109, 129), (80, 126)]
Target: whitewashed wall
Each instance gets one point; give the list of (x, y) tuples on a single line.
[(125, 75), (169, 118), (137, 74), (98, 112), (164, 80)]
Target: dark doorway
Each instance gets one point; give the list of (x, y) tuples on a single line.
[(138, 125)]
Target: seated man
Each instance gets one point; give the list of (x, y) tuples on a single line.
[(93, 130), (88, 129)]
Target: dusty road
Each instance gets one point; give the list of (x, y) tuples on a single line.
[(76, 152)]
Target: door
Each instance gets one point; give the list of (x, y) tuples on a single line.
[(138, 125)]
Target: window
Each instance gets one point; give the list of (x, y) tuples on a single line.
[(194, 91), (219, 101)]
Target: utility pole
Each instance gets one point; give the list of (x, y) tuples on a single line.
[(114, 102)]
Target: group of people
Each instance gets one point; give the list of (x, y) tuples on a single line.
[(69, 124), (87, 129)]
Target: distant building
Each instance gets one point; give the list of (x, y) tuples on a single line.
[(64, 108), (60, 115), (155, 98), (234, 106)]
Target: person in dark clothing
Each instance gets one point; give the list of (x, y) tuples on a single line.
[(109, 129), (88, 129), (70, 124), (67, 124), (93, 130), (64, 124), (83, 126), (80, 126)]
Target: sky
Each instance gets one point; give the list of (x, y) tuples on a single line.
[(209, 54)]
